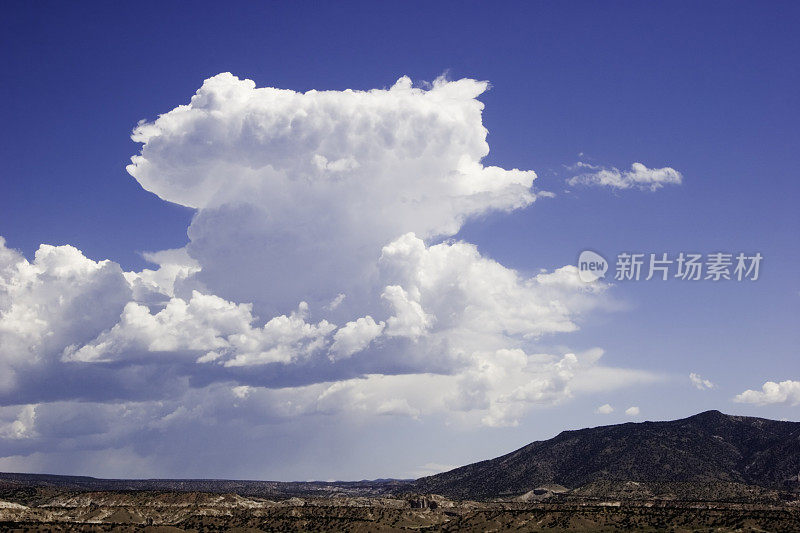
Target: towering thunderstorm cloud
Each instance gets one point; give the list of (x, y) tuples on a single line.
[(318, 283)]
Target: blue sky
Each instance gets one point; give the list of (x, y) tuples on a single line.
[(708, 89)]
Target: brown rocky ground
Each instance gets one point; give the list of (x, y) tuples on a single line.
[(152, 511)]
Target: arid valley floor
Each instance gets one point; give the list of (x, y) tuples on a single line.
[(26, 508)]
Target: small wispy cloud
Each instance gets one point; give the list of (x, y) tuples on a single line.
[(700, 383), (638, 177)]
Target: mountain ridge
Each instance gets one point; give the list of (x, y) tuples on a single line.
[(709, 447)]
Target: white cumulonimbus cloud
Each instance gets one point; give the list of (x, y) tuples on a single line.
[(784, 392), (317, 182), (638, 177), (315, 283)]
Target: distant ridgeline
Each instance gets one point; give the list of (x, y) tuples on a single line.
[(709, 456), (267, 489)]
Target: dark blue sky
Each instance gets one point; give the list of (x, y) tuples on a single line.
[(709, 88)]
